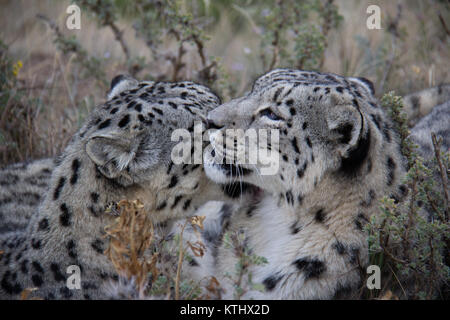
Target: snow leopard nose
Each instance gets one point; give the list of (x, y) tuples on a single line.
[(210, 124), (221, 116)]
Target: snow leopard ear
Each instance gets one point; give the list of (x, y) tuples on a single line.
[(122, 157), (111, 155), (120, 84), (347, 132), (365, 83), (345, 123)]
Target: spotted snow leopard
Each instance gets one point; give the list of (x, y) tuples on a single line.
[(338, 155), (32, 180), (123, 151)]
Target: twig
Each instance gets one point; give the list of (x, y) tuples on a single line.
[(435, 208), (106, 18), (432, 267), (180, 263), (200, 49), (274, 61), (119, 37), (276, 40), (326, 26), (396, 278), (393, 30), (443, 24), (436, 146), (51, 24), (177, 61), (411, 213), (390, 255)]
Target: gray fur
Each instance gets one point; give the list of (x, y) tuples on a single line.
[(419, 104), (121, 152), (338, 155), (437, 121), (22, 187)]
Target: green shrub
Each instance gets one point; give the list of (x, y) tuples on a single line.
[(409, 240)]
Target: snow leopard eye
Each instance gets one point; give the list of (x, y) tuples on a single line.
[(269, 114)]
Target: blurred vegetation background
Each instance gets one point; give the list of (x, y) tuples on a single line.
[(51, 77)]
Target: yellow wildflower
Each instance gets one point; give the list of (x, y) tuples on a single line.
[(16, 67)]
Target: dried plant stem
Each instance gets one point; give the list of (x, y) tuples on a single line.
[(119, 37), (276, 40), (134, 261), (51, 24), (436, 145), (432, 267), (411, 215), (107, 20), (393, 30), (385, 250), (326, 26), (200, 50), (180, 263), (178, 61), (398, 280), (433, 205), (131, 235), (444, 25), (274, 61)]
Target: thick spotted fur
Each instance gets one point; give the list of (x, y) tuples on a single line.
[(123, 151), (419, 104), (436, 121), (22, 187), (338, 154)]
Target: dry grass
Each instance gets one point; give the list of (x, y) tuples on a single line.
[(130, 237), (25, 294), (142, 257), (419, 54)]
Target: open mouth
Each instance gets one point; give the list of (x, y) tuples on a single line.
[(229, 177), (237, 189), (230, 169), (234, 170)]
